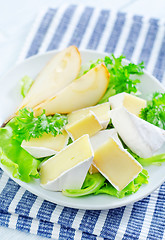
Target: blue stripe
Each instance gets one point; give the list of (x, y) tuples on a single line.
[(136, 219), (27, 200), (157, 226), (4, 218), (45, 229), (1, 172), (159, 69), (116, 32), (62, 27), (41, 32), (149, 42), (98, 30), (46, 210), (8, 193), (66, 233), (89, 221), (86, 236), (112, 223), (67, 216), (81, 27), (24, 223), (132, 37)]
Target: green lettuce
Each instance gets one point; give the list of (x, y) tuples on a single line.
[(26, 83), (91, 185), (131, 188), (96, 184), (12, 155), (122, 77), (154, 160)]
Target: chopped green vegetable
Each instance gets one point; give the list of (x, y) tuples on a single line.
[(121, 77), (96, 183), (155, 110), (26, 83), (91, 184), (26, 126), (12, 155), (154, 160)]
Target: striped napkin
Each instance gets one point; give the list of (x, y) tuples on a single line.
[(138, 39)]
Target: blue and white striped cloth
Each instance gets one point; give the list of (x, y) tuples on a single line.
[(138, 39)]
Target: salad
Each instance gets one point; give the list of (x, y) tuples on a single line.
[(85, 131)]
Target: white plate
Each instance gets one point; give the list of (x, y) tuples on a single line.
[(9, 100)]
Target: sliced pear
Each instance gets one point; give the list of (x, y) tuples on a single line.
[(62, 69), (82, 92)]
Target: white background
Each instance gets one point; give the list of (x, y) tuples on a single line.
[(16, 19)]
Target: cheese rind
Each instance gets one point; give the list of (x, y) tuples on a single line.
[(102, 112), (68, 168), (88, 124), (46, 145), (142, 137), (116, 164), (132, 103), (102, 136)]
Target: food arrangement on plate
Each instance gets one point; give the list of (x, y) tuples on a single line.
[(85, 129)]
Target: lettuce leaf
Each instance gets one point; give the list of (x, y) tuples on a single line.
[(12, 155), (91, 185), (26, 83), (154, 160), (131, 188), (96, 184)]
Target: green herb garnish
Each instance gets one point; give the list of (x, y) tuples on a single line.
[(26, 126), (155, 111), (26, 83), (121, 77)]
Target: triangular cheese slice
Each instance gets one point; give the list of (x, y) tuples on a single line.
[(102, 112), (132, 103), (68, 168), (46, 145), (142, 137), (88, 124), (116, 164)]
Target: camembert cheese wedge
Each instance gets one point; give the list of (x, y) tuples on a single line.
[(132, 103), (68, 168), (116, 164), (88, 124), (46, 145), (102, 112), (142, 137), (100, 138)]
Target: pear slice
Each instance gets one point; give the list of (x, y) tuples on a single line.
[(62, 69), (82, 92)]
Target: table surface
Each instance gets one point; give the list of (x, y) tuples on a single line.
[(13, 33)]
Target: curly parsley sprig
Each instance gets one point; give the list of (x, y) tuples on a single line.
[(26, 126), (121, 76), (155, 110)]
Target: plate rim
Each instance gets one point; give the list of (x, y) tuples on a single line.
[(68, 204)]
